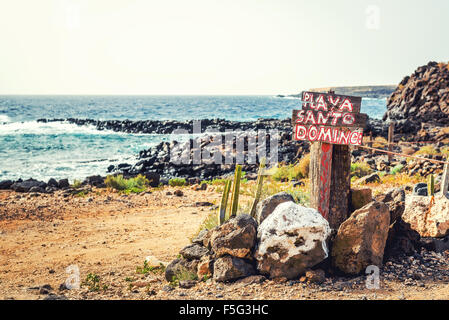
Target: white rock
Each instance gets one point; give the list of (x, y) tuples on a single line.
[(291, 240), (154, 262), (433, 223)]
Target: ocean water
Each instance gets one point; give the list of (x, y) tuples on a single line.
[(61, 150)]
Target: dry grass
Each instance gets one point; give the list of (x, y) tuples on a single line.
[(380, 142), (360, 169), (429, 150), (290, 172), (401, 179)]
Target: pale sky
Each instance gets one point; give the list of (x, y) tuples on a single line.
[(214, 47)]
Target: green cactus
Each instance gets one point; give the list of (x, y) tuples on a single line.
[(259, 183), (236, 191), (224, 202), (431, 185)]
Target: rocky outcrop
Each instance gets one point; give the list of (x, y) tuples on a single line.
[(421, 98), (236, 237), (428, 220), (361, 239), (267, 206), (291, 240), (176, 159)]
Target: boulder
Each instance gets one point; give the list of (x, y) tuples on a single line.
[(6, 184), (96, 181), (393, 194), (361, 239), (180, 266), (395, 199), (201, 237), (193, 251), (360, 197), (315, 276), (236, 237), (433, 222), (52, 183), (435, 244), (63, 183), (373, 177), (291, 240), (26, 185), (154, 179), (229, 268), (420, 189), (187, 284), (36, 189), (402, 239), (267, 206), (154, 262)]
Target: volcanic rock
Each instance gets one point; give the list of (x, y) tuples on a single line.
[(428, 220), (236, 237), (229, 268), (292, 239), (361, 239), (267, 206), (420, 98)]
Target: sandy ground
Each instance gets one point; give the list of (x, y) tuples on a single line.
[(109, 235)]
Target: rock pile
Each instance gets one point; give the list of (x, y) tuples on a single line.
[(176, 159), (36, 186), (422, 97), (290, 240), (224, 253)]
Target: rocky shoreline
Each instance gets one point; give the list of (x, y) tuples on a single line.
[(156, 164), (419, 107)]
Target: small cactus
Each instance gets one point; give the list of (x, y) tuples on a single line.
[(236, 191), (224, 202), (259, 183), (431, 185)]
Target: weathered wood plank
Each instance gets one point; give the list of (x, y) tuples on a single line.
[(333, 119), (336, 208), (333, 135), (340, 186), (330, 101)]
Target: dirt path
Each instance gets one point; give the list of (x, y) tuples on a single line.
[(37, 252), (110, 235)]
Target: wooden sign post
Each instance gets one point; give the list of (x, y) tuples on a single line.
[(332, 123)]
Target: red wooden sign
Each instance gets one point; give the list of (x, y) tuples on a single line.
[(329, 118)]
